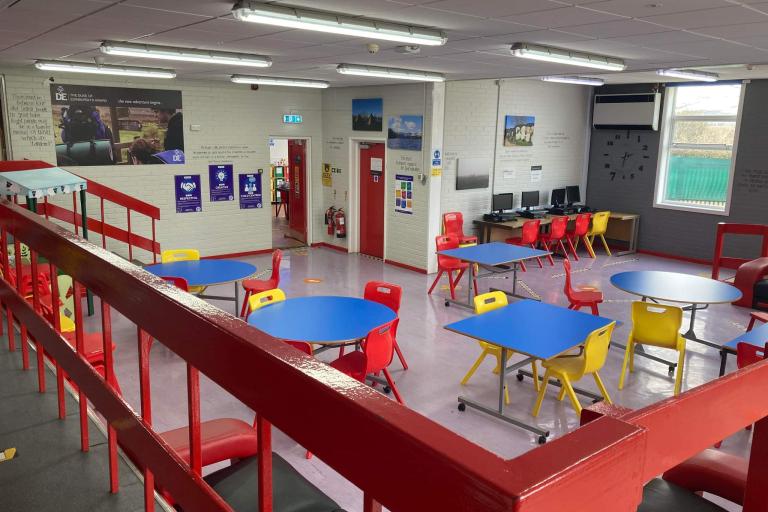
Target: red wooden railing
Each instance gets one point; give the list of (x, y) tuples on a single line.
[(99, 226), (725, 228), (400, 459)]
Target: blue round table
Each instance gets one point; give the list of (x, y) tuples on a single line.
[(207, 273), (676, 287), (327, 320)]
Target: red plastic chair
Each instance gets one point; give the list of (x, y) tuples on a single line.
[(747, 354), (449, 264), (756, 316), (389, 295), (529, 238), (579, 232), (555, 237), (252, 286), (583, 297), (376, 356), (453, 225)]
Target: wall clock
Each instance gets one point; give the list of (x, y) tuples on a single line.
[(626, 154)]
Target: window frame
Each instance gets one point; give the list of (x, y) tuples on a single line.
[(665, 146)]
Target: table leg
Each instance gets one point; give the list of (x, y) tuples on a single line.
[(554, 382), (237, 299), (470, 279), (513, 293), (502, 374), (690, 334), (723, 360), (632, 242)]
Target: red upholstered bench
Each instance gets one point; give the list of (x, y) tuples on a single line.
[(221, 439), (747, 277)]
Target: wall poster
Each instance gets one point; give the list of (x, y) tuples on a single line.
[(367, 114), (405, 132), (220, 182), (116, 125), (404, 193), (250, 190), (518, 130), (327, 178), (188, 197)]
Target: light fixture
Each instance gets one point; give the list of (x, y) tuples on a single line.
[(561, 56), (332, 23), (103, 69), (578, 80), (689, 74), (148, 51), (397, 73), (283, 82)]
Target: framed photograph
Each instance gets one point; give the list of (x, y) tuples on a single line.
[(473, 173), (368, 115), (405, 132), (518, 130)]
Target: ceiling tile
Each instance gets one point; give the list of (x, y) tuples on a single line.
[(563, 17), (641, 8), (195, 7), (616, 28), (491, 8), (707, 17)]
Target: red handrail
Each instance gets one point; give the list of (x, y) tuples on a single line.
[(101, 227), (420, 465)]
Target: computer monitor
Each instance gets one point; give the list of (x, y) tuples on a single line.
[(573, 194), (558, 196), (530, 199), (501, 202)]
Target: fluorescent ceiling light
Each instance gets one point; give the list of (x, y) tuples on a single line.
[(689, 74), (290, 17), (148, 51), (578, 80), (397, 73), (104, 69), (283, 82), (560, 56)]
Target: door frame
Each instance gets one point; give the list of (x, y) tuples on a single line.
[(353, 217), (307, 185)]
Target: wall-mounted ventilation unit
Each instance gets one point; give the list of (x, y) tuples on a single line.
[(627, 111)]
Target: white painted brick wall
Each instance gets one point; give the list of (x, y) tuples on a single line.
[(227, 114)]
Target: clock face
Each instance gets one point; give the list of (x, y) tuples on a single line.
[(626, 155)]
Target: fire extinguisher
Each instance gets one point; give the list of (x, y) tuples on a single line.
[(340, 224), (329, 214)]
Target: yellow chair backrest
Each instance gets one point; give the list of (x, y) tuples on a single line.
[(656, 324), (596, 348), (260, 300), (172, 255), (67, 307), (600, 223), (490, 301)]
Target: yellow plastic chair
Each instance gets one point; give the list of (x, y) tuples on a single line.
[(598, 229), (260, 300), (484, 303), (172, 255), (657, 325), (67, 307), (571, 368)]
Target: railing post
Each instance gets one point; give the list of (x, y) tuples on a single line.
[(370, 504), (109, 378), (193, 406), (57, 326), (20, 287), (264, 430), (154, 253), (36, 304), (145, 396), (77, 288), (756, 495), (103, 235), (130, 247)]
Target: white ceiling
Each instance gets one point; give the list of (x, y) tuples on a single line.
[(647, 34)]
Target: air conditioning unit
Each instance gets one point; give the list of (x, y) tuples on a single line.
[(627, 111)]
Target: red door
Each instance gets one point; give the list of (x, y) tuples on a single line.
[(297, 204), (372, 192)]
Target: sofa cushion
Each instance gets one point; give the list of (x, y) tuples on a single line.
[(662, 496)]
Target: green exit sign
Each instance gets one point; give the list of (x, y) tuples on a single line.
[(292, 119)]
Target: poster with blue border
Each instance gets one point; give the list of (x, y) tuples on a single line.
[(404, 194), (187, 188), (250, 191), (220, 180)]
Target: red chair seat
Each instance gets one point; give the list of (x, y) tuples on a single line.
[(221, 439), (93, 345), (587, 296), (258, 286), (352, 364)]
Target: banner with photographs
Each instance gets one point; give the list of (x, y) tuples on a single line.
[(116, 125)]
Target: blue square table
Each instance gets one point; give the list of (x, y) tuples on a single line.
[(496, 258), (757, 336), (535, 329)]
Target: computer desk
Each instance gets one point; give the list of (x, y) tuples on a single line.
[(622, 226)]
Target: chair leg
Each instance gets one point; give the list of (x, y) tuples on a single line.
[(679, 373), (506, 394), (632, 359), (393, 387), (452, 283), (474, 285), (630, 347), (472, 370), (549, 256), (566, 382), (751, 324), (595, 311), (561, 394), (601, 387), (535, 374), (245, 303), (522, 266), (588, 245), (573, 249), (497, 354), (434, 283), (562, 248), (400, 355), (540, 398), (533, 246), (605, 244)]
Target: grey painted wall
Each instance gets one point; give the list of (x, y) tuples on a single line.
[(678, 232)]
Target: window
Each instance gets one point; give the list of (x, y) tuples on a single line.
[(698, 147)]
